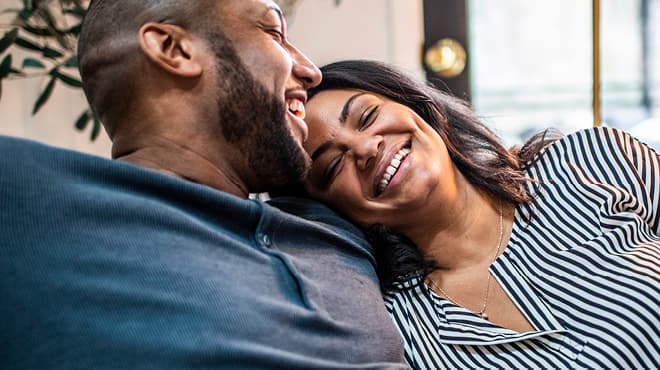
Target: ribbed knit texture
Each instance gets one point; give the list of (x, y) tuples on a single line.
[(108, 265)]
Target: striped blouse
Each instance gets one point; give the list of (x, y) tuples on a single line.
[(585, 272)]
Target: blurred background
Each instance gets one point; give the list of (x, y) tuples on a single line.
[(523, 65)]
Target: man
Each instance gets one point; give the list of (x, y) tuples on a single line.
[(159, 259)]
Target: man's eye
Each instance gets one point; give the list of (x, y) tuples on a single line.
[(368, 117), (279, 36)]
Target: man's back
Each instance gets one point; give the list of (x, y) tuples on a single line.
[(105, 264)]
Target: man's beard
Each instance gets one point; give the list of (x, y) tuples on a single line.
[(254, 119)]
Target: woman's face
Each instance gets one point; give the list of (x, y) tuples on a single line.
[(374, 159)]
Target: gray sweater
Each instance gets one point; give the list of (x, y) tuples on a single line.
[(108, 265)]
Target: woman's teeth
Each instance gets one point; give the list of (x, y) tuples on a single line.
[(297, 108), (392, 168)]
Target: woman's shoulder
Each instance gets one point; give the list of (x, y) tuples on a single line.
[(402, 292), (594, 166), (603, 137), (594, 143)]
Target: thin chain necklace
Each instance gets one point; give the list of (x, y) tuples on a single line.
[(482, 312)]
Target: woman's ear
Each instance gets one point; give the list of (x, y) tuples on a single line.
[(172, 48)]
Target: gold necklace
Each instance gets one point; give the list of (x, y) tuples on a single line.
[(481, 313)]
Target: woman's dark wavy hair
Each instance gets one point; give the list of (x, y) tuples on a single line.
[(474, 149)]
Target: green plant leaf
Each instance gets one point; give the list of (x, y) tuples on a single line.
[(51, 53), (69, 80), (43, 98), (75, 30), (16, 72), (37, 31), (78, 12), (83, 120), (46, 15), (32, 63), (96, 129), (25, 13), (8, 39), (72, 62), (5, 66), (25, 44)]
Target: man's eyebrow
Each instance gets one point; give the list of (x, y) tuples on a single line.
[(347, 107), (278, 11)]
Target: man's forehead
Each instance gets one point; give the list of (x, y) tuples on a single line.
[(271, 6), (233, 10), (256, 7)]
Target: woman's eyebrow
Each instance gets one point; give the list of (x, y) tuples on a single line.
[(347, 107), (321, 149), (342, 119)]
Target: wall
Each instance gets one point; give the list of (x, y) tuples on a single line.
[(387, 30)]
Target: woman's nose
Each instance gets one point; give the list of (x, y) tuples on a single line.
[(366, 151)]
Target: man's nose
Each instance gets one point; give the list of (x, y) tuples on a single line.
[(304, 69)]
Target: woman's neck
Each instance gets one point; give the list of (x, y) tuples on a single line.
[(466, 230)]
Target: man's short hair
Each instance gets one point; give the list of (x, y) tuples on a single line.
[(109, 48)]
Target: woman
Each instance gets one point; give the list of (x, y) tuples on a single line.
[(544, 257)]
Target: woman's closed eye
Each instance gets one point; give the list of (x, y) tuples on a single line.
[(333, 168), (368, 117)]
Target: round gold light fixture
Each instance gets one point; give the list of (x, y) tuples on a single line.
[(446, 57)]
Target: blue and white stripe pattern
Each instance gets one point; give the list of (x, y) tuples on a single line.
[(585, 272)]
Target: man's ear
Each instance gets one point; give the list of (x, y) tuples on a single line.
[(172, 48)]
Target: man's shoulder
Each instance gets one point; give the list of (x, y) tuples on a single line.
[(17, 145), (30, 157), (312, 210), (53, 173), (310, 213)]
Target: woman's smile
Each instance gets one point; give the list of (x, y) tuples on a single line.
[(374, 159), (392, 169)]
